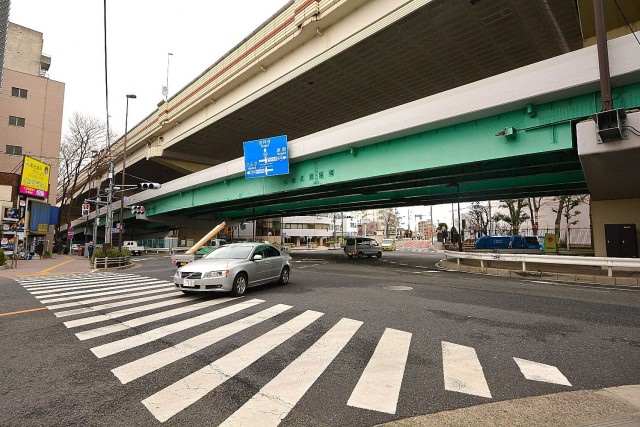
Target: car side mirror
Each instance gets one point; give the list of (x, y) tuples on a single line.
[(257, 257)]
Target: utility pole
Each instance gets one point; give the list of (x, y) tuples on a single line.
[(603, 55), (432, 228), (109, 222), (334, 230)]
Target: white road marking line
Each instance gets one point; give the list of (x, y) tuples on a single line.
[(25, 281), (155, 334), (68, 284), (183, 393), (138, 321), (536, 371), (462, 370), (83, 310), (61, 281), (277, 398), (126, 311), (379, 385), (145, 365), (127, 285), (164, 290), (66, 288), (583, 286), (99, 294)]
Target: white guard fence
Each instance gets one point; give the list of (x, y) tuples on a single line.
[(609, 263)]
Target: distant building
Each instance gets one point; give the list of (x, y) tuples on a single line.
[(5, 5), (30, 125), (425, 229)]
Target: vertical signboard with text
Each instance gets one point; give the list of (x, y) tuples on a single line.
[(35, 178)]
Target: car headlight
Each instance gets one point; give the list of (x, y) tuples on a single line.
[(214, 274)]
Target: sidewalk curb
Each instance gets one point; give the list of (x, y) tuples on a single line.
[(616, 406)]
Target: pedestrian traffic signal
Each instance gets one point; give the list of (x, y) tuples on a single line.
[(149, 185), (137, 209)]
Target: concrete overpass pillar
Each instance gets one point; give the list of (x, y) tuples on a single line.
[(611, 172)]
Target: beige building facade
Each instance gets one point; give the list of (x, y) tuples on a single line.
[(31, 108)]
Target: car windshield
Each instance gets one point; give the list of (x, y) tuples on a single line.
[(231, 252), (387, 241)]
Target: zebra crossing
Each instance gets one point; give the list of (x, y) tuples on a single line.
[(96, 303)]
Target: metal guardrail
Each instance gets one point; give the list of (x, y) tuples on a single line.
[(609, 263), (111, 262)]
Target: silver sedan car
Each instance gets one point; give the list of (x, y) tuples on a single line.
[(233, 268)]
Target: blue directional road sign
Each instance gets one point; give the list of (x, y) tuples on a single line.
[(266, 157)]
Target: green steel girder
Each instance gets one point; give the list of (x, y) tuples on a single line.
[(416, 169)]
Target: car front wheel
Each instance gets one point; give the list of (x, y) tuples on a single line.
[(284, 276), (379, 254), (239, 285)]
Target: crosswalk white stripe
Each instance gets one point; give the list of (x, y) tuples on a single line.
[(536, 371), (276, 399), (161, 290), (45, 279), (65, 281), (83, 310), (38, 278), (60, 283), (138, 321), (378, 388), (126, 312), (93, 285), (463, 371), (155, 334), (145, 365), (127, 285), (179, 395), (99, 294)]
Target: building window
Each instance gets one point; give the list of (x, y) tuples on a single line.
[(14, 150), (16, 121), (19, 93)]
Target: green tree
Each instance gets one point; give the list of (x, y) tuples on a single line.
[(534, 203), (478, 216), (567, 210), (81, 151), (516, 216)]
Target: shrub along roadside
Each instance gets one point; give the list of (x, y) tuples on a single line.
[(111, 253)]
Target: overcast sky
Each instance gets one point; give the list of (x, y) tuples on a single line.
[(140, 34)]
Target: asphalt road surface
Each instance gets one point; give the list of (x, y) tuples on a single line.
[(353, 342)]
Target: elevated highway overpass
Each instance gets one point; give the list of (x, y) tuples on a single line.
[(384, 105)]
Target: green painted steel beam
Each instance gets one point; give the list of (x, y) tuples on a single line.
[(537, 140)]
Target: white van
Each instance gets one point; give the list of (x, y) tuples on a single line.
[(361, 247)]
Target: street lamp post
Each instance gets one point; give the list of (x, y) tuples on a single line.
[(166, 88), (124, 165)]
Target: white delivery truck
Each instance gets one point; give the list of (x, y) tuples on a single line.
[(132, 246)]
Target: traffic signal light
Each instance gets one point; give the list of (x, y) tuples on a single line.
[(149, 185), (137, 209)]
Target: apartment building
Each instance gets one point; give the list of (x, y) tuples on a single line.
[(30, 127)]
